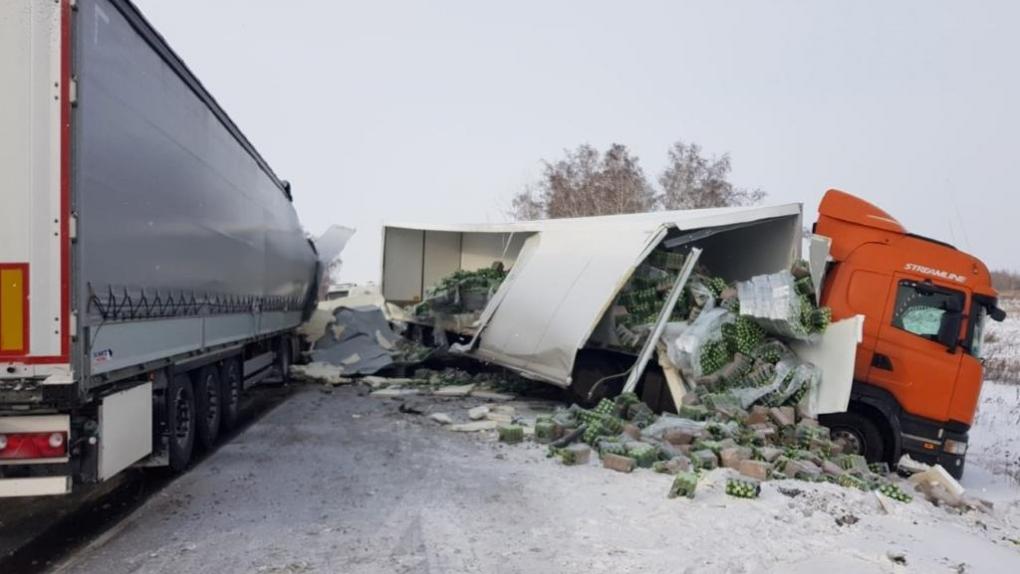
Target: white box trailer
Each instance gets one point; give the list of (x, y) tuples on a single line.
[(551, 313), (151, 262)]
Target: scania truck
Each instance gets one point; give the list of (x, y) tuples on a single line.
[(152, 266), (918, 370)]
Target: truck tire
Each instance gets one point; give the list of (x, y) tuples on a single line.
[(859, 433), (231, 387), (283, 359), (180, 419), (207, 406)]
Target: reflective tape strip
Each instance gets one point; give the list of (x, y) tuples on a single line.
[(13, 308)]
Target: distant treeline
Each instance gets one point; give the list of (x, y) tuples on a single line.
[(1006, 280)]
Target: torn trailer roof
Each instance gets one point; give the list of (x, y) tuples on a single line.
[(565, 273)]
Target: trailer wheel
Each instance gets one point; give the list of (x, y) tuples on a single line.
[(284, 359), (180, 418), (208, 406), (231, 386), (858, 433)]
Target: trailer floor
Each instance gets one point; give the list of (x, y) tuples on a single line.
[(347, 483)]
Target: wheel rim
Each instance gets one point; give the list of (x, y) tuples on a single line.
[(854, 442), (182, 426), (212, 398)]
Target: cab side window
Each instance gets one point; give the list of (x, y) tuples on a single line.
[(919, 309)]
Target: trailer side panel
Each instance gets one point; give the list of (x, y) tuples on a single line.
[(181, 224)]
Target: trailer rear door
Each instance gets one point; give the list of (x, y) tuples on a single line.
[(35, 93)]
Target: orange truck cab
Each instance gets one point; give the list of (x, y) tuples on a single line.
[(918, 370)]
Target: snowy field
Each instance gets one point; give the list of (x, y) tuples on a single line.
[(995, 437), (1002, 345)]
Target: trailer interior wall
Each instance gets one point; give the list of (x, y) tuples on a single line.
[(743, 251), (414, 260), (173, 203), (735, 252)]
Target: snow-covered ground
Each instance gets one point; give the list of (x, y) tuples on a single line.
[(1002, 344), (995, 436), (341, 482)]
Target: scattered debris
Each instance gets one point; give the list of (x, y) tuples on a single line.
[(473, 426), (411, 408), (790, 492), (847, 520), (907, 465), (455, 390), (460, 297), (743, 488), (478, 413), (393, 392), (492, 396), (684, 484), (618, 462), (938, 476), (322, 372), (575, 454), (511, 434), (896, 557), (441, 418), (359, 340)]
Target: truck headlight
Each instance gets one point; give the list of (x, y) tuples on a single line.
[(955, 447)]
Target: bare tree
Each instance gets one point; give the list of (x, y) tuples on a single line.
[(1006, 281), (692, 181), (586, 183)]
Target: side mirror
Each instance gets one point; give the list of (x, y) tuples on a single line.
[(949, 330), (997, 314)]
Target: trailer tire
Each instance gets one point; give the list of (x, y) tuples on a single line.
[(180, 417), (208, 406), (284, 358), (859, 432), (231, 387)]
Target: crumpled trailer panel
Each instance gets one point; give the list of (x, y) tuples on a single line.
[(565, 274)]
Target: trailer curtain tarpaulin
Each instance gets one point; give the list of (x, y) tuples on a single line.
[(566, 272)]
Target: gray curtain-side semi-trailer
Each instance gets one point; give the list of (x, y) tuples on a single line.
[(152, 265)]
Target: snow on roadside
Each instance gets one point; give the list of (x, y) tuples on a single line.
[(995, 435), (1002, 344)]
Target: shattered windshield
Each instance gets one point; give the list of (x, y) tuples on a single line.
[(919, 310)]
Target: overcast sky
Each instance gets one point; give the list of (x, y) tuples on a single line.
[(440, 111)]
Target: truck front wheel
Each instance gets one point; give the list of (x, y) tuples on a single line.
[(858, 434), (180, 421)]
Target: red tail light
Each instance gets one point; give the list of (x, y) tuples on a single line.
[(23, 446)]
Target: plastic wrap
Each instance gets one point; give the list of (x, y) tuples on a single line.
[(667, 422), (790, 377), (685, 351), (775, 302)]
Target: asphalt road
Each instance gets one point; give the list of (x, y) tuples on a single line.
[(36, 533)]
